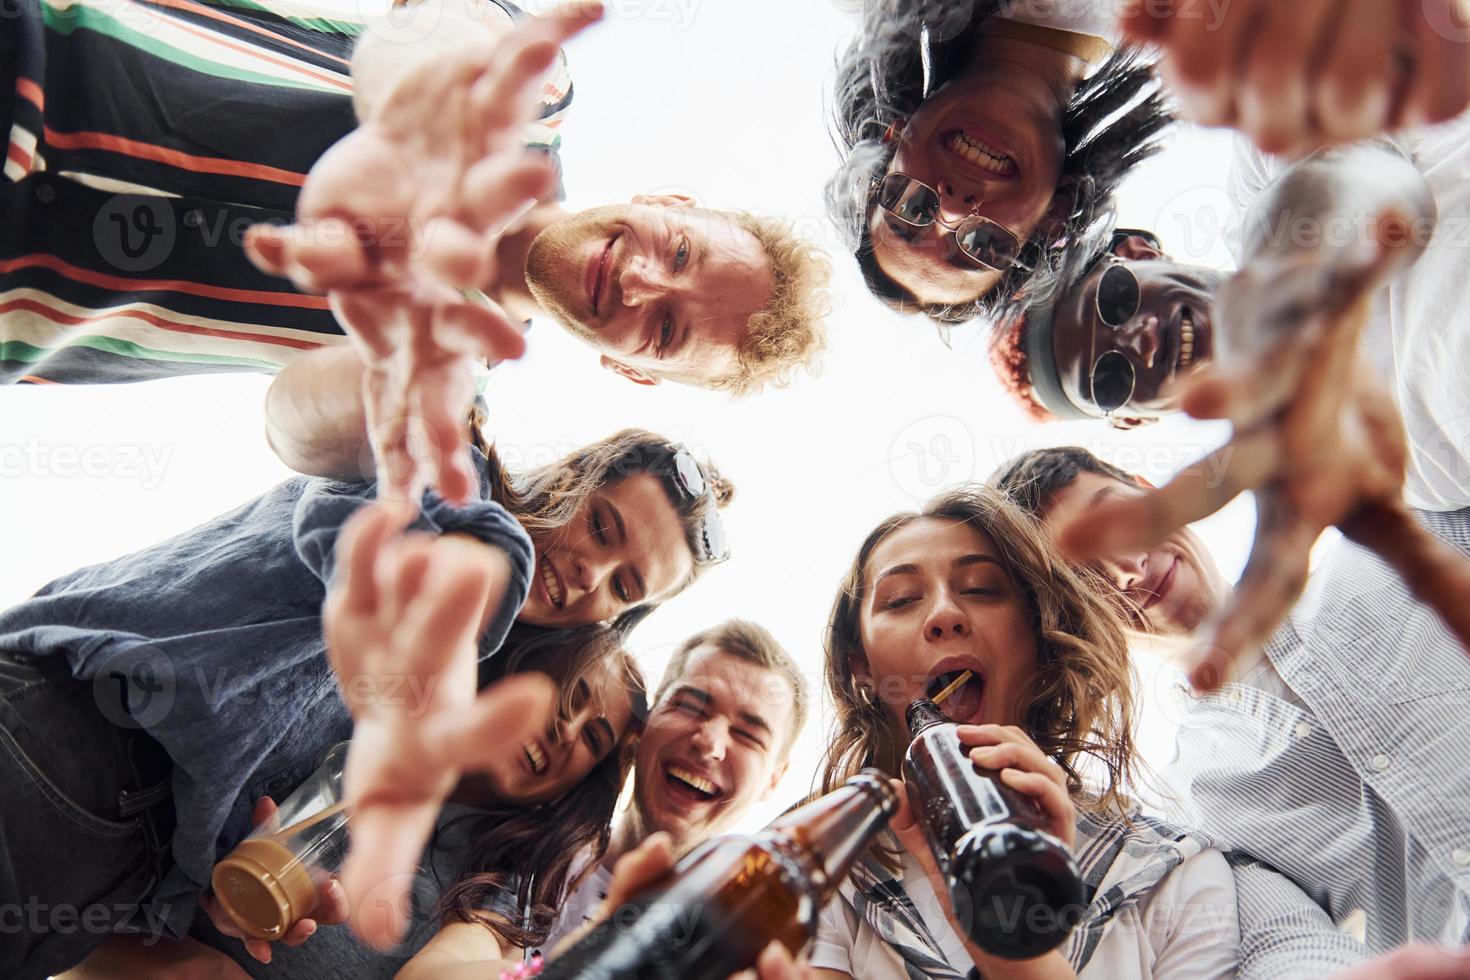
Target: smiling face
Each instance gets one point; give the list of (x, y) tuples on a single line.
[(588, 725), (991, 144), (712, 746), (624, 548), (939, 600), (1171, 334), (1172, 588), (662, 288)]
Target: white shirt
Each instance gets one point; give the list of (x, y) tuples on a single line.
[(1418, 335), (1185, 929), (581, 905)]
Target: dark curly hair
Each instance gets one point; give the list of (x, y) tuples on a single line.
[(1112, 124)]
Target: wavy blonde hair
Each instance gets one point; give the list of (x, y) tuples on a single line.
[(1080, 702)]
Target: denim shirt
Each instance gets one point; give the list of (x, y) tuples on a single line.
[(214, 637)]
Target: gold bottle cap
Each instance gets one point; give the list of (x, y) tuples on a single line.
[(264, 888)]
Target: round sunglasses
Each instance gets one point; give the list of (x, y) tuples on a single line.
[(1113, 377), (914, 203), (688, 477)]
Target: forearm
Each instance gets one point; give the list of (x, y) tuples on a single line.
[(315, 418), (447, 967), (460, 951), (415, 34), (1283, 933), (1334, 200)]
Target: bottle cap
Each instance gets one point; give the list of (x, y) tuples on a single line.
[(264, 887)]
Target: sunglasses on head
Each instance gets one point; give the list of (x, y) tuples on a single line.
[(687, 476), (916, 204)]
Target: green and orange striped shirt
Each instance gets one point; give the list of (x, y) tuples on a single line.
[(145, 136)]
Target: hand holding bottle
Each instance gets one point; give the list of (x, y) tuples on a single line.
[(402, 622)]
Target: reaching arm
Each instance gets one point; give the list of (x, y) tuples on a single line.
[(315, 419), (1283, 933)]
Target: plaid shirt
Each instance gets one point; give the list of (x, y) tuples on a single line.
[(1131, 859), (1343, 767)]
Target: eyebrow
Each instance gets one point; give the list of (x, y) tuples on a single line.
[(897, 570), (755, 721), (958, 563)]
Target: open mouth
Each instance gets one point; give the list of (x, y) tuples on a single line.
[(535, 757), (551, 583), (689, 786), (1187, 338), (964, 704), (976, 151), (597, 275)]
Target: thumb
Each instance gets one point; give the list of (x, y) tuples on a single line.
[(639, 868), (500, 720)]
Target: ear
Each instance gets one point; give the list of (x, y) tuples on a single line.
[(672, 200), (1144, 482), (895, 129), (857, 666), (777, 774), (1138, 248), (635, 375)]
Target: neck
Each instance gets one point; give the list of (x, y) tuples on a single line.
[(1022, 45), (509, 288)]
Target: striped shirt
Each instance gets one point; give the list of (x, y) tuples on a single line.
[(1341, 763), (145, 137)]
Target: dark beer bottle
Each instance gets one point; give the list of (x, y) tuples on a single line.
[(1016, 885), (729, 898)]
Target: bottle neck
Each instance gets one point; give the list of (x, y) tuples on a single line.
[(830, 832), (923, 715)]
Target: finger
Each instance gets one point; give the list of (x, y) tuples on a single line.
[(266, 246), (775, 963), (500, 720), (498, 190), (1272, 99), (505, 93), (1205, 58), (1198, 492), (259, 949), (446, 618), (1051, 798), (315, 255), (1355, 89), (638, 869), (1146, 21), (483, 327), (265, 810), (442, 397), (1274, 577), (1438, 575), (453, 254), (1441, 85), (388, 839), (413, 568), (1012, 755), (331, 907), (300, 933), (358, 552)]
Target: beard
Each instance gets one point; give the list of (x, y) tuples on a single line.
[(556, 265)]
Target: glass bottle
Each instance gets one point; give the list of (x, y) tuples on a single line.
[(271, 880), (726, 900), (1015, 884)]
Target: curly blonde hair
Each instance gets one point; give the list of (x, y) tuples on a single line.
[(1080, 703), (788, 333)]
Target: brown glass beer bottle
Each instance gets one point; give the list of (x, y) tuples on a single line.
[(728, 899), (1014, 884)]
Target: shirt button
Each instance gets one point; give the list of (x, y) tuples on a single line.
[(1303, 729), (1462, 858), (45, 193), (1234, 697), (1381, 762)]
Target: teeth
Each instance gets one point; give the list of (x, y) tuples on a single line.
[(698, 782), (535, 756), (553, 587), (1186, 342), (981, 154)]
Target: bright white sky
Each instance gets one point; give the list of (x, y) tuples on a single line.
[(726, 101)]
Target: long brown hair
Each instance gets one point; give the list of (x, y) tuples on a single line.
[(532, 849), (1080, 703)]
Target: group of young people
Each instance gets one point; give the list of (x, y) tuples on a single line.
[(467, 627)]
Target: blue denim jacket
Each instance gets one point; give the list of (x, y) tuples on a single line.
[(215, 638)]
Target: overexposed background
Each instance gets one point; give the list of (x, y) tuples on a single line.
[(724, 100)]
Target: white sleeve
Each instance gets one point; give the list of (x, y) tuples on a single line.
[(1192, 922), (1251, 172), (836, 934)]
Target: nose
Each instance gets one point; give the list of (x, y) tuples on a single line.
[(945, 619), (1126, 571), (956, 204), (641, 281), (1143, 335), (589, 571), (569, 729), (710, 739)]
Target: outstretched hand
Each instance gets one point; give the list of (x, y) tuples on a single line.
[(402, 622), (401, 216), (1317, 437), (1297, 76)]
